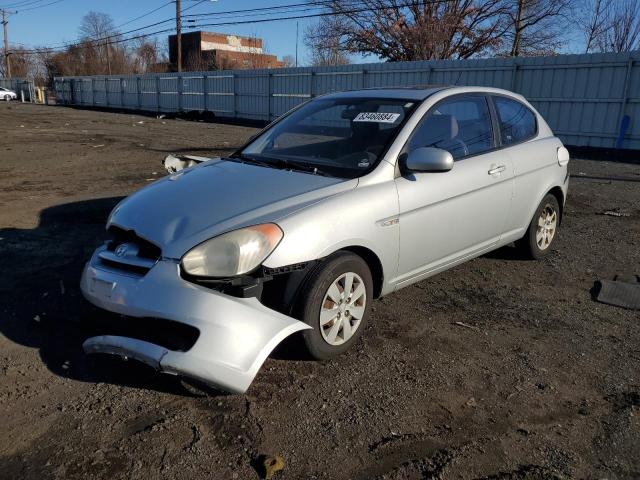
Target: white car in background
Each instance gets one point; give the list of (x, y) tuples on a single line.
[(6, 94)]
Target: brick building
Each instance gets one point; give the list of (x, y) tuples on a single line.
[(208, 50)]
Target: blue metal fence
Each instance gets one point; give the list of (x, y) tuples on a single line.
[(585, 98)]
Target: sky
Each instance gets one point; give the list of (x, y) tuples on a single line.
[(57, 23), (54, 22)]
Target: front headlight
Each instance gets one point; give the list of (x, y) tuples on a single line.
[(233, 253)]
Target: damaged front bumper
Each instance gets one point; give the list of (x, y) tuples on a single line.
[(235, 334)]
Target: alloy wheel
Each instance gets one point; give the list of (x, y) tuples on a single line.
[(547, 225), (342, 308)]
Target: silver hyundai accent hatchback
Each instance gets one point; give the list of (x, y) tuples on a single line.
[(346, 198)]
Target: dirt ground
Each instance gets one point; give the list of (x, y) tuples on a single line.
[(537, 380)]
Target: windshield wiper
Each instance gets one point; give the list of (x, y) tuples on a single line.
[(283, 163), (292, 164), (253, 161)]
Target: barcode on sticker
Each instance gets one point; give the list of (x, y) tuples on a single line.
[(376, 117)]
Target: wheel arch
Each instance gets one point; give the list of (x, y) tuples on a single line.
[(374, 264), (559, 194)]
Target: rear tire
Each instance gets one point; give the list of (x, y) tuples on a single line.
[(543, 229), (335, 301)]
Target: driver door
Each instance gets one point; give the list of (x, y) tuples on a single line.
[(446, 217)]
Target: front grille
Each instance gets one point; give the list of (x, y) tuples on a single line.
[(128, 252), (146, 248)]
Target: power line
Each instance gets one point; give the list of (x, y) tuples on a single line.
[(108, 37), (39, 6), (228, 23), (22, 4), (33, 5), (145, 14), (100, 39)]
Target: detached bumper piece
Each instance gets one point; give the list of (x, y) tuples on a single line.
[(236, 334)]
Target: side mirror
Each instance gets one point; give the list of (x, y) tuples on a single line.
[(428, 159)]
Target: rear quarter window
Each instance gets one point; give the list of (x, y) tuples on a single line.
[(517, 121)]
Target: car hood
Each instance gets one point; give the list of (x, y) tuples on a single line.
[(191, 206)]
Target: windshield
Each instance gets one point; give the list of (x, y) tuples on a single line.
[(343, 137)]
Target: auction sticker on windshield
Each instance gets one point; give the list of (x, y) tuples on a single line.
[(376, 117)]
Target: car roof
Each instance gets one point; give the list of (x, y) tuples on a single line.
[(402, 93), (418, 93)]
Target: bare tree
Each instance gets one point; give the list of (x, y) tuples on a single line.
[(594, 21), (147, 56), (23, 64), (398, 30), (536, 27), (288, 61), (623, 34), (611, 25), (325, 45), (98, 27)]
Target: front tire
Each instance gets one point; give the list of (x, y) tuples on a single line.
[(543, 229), (335, 302)]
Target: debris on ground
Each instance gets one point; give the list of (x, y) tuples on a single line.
[(272, 465), (466, 325), (620, 292), (174, 163), (410, 375), (615, 213)]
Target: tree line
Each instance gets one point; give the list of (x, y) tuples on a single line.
[(101, 50), (390, 30), (397, 30)]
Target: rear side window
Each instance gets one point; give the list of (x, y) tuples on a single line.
[(517, 122), (461, 125)]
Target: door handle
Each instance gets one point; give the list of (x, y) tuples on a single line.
[(496, 170)]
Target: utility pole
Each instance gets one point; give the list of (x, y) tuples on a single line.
[(106, 46), (178, 36), (5, 23), (296, 43)]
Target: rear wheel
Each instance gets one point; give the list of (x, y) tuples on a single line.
[(335, 302), (543, 229)]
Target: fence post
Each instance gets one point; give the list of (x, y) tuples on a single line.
[(205, 91), (268, 96), (179, 89), (514, 76), (121, 92), (311, 80), (139, 93), (158, 92), (235, 94), (625, 94)]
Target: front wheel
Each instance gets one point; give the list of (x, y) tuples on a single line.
[(7, 98), (543, 229), (335, 302)]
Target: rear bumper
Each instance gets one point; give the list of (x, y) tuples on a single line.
[(236, 334)]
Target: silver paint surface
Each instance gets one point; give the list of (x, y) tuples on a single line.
[(416, 225)]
